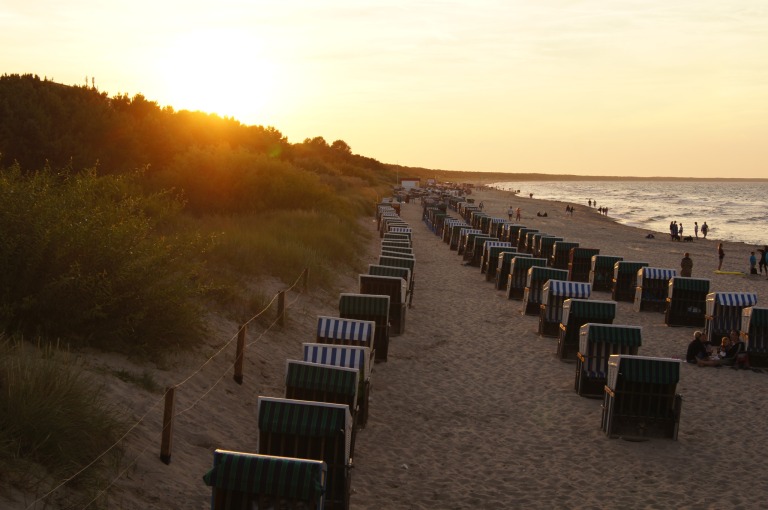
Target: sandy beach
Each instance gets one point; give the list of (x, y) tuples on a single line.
[(472, 409)]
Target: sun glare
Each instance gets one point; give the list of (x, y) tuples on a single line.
[(222, 72)]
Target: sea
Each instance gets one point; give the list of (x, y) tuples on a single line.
[(735, 211)]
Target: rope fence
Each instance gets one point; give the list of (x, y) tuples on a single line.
[(166, 433)]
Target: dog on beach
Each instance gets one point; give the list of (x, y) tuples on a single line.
[(687, 239)]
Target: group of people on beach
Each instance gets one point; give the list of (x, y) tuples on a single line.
[(731, 352), (676, 231), (755, 261)]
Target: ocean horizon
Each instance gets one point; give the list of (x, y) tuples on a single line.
[(735, 211)]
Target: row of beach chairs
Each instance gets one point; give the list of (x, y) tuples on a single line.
[(307, 438)]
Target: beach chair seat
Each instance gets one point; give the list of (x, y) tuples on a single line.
[(724, 310), (310, 430), (624, 280), (561, 254), (640, 398), (686, 301), (580, 263), (518, 274), (554, 294), (369, 307), (597, 342), (652, 288), (601, 271), (533, 295), (253, 481), (754, 332), (396, 289), (576, 313)]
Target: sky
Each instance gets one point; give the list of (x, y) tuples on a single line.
[(592, 87)]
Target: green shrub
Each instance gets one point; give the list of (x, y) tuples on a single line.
[(93, 260)]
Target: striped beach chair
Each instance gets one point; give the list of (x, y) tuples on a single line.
[(754, 332), (397, 236), (597, 342), (241, 481), (641, 397), (386, 252), (462, 241), (520, 241), (403, 263), (545, 246), (561, 254), (625, 280), (580, 262), (530, 241), (341, 331), (510, 233), (369, 307), (533, 295), (518, 274), (478, 247), (398, 272), (686, 301), (553, 294), (491, 251), (469, 244), (311, 430), (576, 313), (723, 313), (448, 228), (601, 271), (454, 235), (346, 356), (503, 262), (493, 226), (394, 287), (652, 288)]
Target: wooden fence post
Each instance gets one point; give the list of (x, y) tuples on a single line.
[(281, 308), (240, 356), (167, 440)]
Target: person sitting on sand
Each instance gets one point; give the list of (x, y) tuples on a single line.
[(697, 352), (735, 347), (686, 265)]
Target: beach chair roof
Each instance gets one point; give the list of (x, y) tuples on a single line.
[(545, 273), (387, 260), (568, 289), (336, 328), (593, 309), (585, 253), (643, 369), (525, 263), (628, 266), (496, 244), (364, 304), (686, 283), (755, 316), (348, 356), (402, 272), (325, 377), (612, 333), (394, 286), (654, 273), (564, 245), (604, 261), (282, 477), (733, 298)]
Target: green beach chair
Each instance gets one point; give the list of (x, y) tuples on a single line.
[(596, 344)]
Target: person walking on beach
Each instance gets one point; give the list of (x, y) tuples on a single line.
[(518, 214), (720, 255), (680, 231), (704, 229), (696, 229), (686, 265), (510, 212), (752, 263), (762, 263)]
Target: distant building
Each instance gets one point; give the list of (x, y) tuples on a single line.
[(410, 182)]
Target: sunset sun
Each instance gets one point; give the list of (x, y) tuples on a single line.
[(222, 72)]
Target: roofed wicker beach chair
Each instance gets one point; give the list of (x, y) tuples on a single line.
[(686, 301), (503, 262), (601, 271), (462, 241), (369, 307), (493, 226), (305, 380), (596, 344), (449, 226), (723, 313), (310, 430), (754, 332), (528, 244), (394, 287), (580, 263), (553, 294), (491, 250), (403, 263), (561, 254), (641, 399), (519, 243), (407, 250), (544, 248), (576, 313), (652, 288), (625, 279), (476, 252), (518, 274), (534, 284), (397, 236), (348, 356), (398, 272), (385, 251), (469, 244), (454, 235), (246, 481), (510, 233)]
